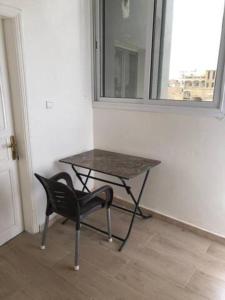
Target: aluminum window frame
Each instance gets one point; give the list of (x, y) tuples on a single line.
[(215, 107)]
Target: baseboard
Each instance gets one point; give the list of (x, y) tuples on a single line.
[(186, 226)]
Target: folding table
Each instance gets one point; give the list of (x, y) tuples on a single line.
[(121, 166)]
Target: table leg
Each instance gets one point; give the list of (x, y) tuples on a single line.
[(135, 210), (86, 181), (81, 180), (129, 192)]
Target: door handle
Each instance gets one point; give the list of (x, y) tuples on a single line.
[(13, 147)]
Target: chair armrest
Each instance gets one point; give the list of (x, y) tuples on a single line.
[(63, 176), (105, 189)]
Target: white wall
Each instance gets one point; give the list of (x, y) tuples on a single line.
[(189, 185), (55, 63)]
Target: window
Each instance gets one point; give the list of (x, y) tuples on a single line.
[(203, 83), (123, 45), (125, 74), (196, 83), (155, 51), (208, 75), (187, 95)]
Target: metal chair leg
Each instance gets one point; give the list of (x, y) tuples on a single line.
[(109, 226), (77, 250), (44, 234)]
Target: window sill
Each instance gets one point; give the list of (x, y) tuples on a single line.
[(148, 107)]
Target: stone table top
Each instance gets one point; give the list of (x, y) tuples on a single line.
[(111, 163)]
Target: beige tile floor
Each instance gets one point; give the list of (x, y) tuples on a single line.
[(160, 262)]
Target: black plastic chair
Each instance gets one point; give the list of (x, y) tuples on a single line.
[(75, 205)]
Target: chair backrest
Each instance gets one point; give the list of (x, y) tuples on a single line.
[(61, 199)]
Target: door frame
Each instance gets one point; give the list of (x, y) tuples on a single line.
[(12, 22)]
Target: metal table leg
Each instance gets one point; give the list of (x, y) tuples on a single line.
[(129, 192), (135, 212), (86, 181), (81, 180)]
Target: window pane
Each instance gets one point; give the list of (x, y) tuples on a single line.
[(124, 47), (190, 49)]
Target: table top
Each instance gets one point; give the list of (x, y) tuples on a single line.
[(111, 163)]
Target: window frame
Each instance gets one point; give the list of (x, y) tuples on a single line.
[(211, 108)]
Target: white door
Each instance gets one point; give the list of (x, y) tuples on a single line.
[(11, 222)]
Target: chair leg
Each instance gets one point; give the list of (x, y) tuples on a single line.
[(77, 250), (44, 234), (108, 214)]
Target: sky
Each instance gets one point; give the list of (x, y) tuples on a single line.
[(196, 34)]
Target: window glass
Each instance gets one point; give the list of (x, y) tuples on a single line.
[(124, 47), (190, 63)]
